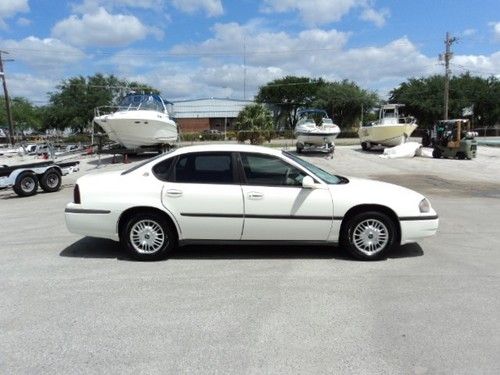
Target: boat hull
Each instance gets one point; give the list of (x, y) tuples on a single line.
[(133, 129), (386, 135), (316, 139)]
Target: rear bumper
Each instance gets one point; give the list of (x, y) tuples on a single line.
[(91, 222), (415, 229)]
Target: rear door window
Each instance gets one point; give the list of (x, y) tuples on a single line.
[(205, 168)]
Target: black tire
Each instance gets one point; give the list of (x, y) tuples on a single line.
[(379, 226), (51, 181), (426, 139), (365, 146), (436, 153), (26, 184), (148, 226), (461, 155), (299, 150)]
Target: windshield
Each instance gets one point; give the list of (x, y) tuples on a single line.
[(324, 175), (139, 101)]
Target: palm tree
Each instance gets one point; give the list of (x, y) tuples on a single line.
[(255, 123)]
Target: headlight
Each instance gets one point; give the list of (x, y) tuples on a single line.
[(424, 205)]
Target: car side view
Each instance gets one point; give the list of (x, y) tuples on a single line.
[(241, 194)]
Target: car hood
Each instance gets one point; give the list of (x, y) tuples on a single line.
[(403, 201)]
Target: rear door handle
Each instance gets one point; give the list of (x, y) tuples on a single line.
[(255, 195), (174, 193)]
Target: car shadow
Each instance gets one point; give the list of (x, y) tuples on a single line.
[(89, 247)]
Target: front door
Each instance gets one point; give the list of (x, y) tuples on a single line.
[(276, 205), (205, 197)]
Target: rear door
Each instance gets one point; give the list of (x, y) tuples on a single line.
[(204, 195), (276, 205)]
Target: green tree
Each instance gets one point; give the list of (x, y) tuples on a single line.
[(255, 123), (73, 104), (423, 98), (25, 115), (345, 102), (287, 95)]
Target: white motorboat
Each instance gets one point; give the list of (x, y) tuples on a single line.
[(315, 129), (391, 129), (139, 120)]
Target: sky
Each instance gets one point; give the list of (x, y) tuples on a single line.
[(191, 49)]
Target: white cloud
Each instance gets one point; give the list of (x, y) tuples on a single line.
[(46, 54), (22, 21), (101, 29), (33, 87), (314, 11), (495, 26), (469, 32), (8, 8), (263, 47), (313, 52), (378, 17), (477, 64), (211, 7), (90, 6)]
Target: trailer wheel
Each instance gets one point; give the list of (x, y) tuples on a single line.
[(51, 181), (436, 153), (26, 184)]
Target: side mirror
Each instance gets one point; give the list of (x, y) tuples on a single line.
[(308, 183)]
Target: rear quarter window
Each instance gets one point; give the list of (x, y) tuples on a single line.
[(163, 169)]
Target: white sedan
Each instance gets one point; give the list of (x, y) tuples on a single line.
[(243, 194)]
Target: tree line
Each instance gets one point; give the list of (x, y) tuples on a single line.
[(72, 103)]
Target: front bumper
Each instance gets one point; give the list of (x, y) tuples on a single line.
[(417, 228)]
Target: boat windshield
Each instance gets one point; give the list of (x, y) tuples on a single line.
[(329, 178), (141, 101)]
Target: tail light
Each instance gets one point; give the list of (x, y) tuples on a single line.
[(76, 195)]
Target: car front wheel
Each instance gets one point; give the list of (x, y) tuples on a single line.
[(147, 236), (369, 235)]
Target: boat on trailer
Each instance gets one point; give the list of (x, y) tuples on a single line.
[(391, 129), (315, 130), (139, 120)]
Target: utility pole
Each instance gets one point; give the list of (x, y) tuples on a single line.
[(447, 57), (244, 67), (7, 100)]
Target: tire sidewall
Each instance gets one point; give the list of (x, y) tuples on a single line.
[(45, 176), (163, 252), (353, 222), (18, 185)]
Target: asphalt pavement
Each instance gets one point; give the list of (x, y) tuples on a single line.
[(74, 305)]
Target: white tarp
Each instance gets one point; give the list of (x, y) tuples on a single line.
[(405, 150)]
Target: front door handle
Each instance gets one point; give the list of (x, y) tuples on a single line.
[(174, 193), (255, 195)]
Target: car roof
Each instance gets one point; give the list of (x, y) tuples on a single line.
[(226, 148)]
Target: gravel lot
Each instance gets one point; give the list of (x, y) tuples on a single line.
[(76, 305)]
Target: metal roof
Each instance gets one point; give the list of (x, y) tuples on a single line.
[(209, 108)]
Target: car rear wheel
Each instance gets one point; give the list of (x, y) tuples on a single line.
[(369, 235), (148, 236)]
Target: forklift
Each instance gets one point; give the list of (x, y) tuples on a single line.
[(451, 139)]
